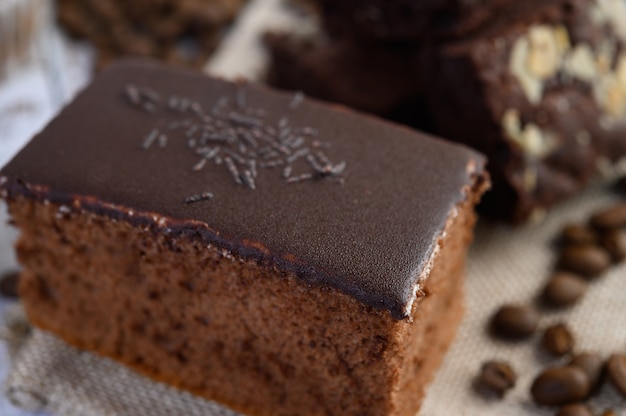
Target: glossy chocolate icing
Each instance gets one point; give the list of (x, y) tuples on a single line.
[(369, 232)]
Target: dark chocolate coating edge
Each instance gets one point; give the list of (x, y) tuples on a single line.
[(200, 231)]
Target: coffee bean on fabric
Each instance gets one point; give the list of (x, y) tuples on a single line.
[(564, 289), (616, 370), (558, 340), (556, 386), (612, 217), (588, 261), (577, 234), (577, 409), (496, 377), (593, 365), (614, 242), (514, 322), (8, 284), (609, 412)]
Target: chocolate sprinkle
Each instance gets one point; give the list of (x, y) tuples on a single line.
[(297, 99), (132, 94), (150, 138), (233, 130), (199, 197)]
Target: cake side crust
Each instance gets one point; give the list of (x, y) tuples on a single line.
[(199, 318)]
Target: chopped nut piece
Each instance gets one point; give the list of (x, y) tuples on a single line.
[(581, 64), (535, 142), (538, 56)]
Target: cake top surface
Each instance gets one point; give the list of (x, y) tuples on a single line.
[(344, 199)]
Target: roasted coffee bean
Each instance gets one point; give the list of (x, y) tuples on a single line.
[(593, 365), (496, 377), (558, 340), (8, 284), (614, 242), (609, 412), (578, 234), (587, 261), (564, 289), (616, 369), (556, 386), (577, 409), (612, 217), (514, 321)]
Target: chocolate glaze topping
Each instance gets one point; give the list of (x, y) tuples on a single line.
[(368, 228)]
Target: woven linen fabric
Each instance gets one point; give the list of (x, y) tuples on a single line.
[(506, 264)]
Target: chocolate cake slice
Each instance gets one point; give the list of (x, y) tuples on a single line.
[(542, 93), (257, 248)]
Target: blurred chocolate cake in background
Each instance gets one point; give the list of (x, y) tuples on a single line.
[(378, 79), (543, 92), (539, 86), (182, 32)]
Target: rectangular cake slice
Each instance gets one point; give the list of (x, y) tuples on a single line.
[(257, 248)]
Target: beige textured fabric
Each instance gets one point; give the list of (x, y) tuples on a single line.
[(506, 265)]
